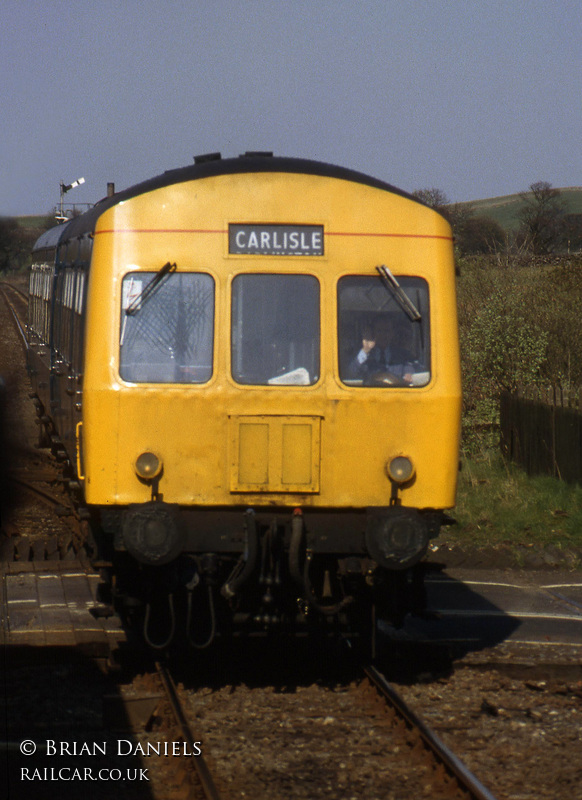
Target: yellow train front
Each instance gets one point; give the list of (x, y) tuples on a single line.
[(267, 424)]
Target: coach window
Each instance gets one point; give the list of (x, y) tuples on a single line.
[(166, 331), (275, 330), (380, 344)]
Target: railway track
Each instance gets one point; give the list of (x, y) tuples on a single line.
[(54, 729), (273, 730), (47, 484), (171, 752), (66, 539), (453, 776), (294, 725), (48, 588), (425, 765), (191, 774), (17, 302)]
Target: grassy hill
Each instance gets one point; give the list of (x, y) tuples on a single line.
[(36, 221), (505, 210)]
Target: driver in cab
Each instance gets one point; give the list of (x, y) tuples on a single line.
[(382, 360)]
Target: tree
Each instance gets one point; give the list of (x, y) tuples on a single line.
[(479, 234), (473, 233), (9, 241), (573, 232), (435, 198), (541, 217), (456, 214), (17, 240)]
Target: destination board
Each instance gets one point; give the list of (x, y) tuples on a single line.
[(275, 240)]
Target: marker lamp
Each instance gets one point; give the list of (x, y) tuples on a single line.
[(148, 466), (400, 469)]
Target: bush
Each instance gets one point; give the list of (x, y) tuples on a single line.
[(519, 325)]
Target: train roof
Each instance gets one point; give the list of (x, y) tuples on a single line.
[(209, 166), (52, 237)]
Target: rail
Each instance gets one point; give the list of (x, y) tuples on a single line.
[(202, 771), (455, 768), (20, 326), (62, 509)]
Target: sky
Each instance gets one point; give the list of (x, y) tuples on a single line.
[(478, 98)]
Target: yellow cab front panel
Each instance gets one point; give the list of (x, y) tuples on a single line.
[(294, 255)]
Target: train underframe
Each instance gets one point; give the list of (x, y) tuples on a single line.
[(183, 577)]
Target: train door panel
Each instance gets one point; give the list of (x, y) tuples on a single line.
[(63, 348), (75, 377), (46, 280)]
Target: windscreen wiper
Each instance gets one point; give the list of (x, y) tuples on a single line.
[(149, 288), (398, 293)]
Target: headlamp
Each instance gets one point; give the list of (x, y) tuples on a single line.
[(148, 466), (400, 469)]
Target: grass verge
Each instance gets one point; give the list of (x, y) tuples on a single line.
[(498, 503)]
